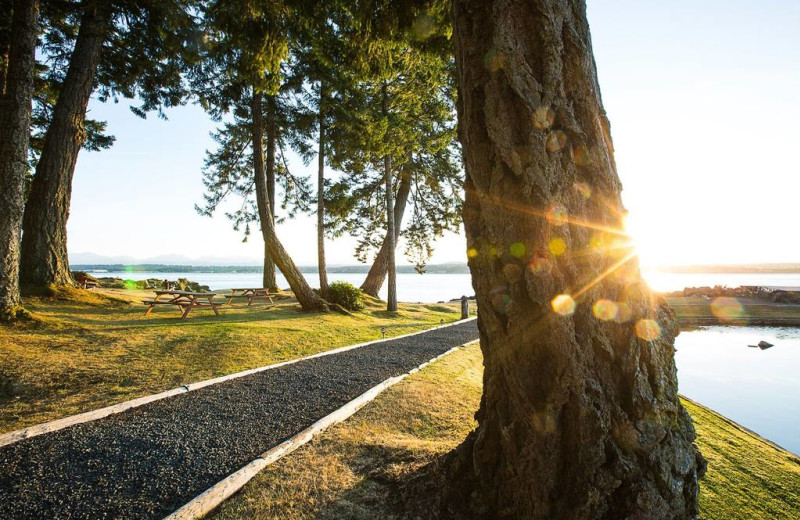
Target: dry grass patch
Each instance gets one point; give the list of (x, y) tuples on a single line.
[(362, 468), (351, 470)]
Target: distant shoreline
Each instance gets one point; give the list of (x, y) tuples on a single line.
[(446, 268)]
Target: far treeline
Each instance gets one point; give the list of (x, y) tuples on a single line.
[(339, 86), (580, 416), (338, 269)]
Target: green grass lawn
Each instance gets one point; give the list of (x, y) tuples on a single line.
[(359, 468), (88, 349)]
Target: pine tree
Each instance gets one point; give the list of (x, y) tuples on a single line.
[(17, 45), (395, 136), (580, 416), (131, 49), (245, 49)]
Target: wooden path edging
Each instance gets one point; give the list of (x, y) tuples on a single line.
[(211, 498), (93, 415)]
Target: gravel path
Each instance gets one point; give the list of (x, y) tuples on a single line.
[(149, 461)]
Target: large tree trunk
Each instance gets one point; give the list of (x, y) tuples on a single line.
[(6, 13), (304, 294), (580, 417), (321, 267), (270, 280), (44, 239), (15, 121), (391, 231), (377, 273)]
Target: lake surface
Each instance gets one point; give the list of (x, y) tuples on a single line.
[(429, 288), (759, 389)]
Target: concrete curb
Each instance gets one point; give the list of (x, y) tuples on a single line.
[(222, 490), (58, 424)]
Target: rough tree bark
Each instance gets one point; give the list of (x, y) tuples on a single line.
[(270, 281), (15, 120), (304, 294), (580, 417), (6, 10), (391, 235), (44, 239), (321, 267), (377, 273)]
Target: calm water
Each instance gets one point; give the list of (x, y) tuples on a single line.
[(438, 287), (759, 389)]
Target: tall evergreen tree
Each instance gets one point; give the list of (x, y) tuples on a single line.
[(580, 416), (393, 133), (245, 48), (134, 49), (17, 46), (229, 170)]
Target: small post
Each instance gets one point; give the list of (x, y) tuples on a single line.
[(383, 332), (464, 308)]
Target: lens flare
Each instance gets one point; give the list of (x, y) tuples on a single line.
[(557, 246), (726, 308), (580, 155), (605, 310), (543, 117), (563, 304), (648, 330), (472, 252), (583, 189), (517, 249), (556, 140), (557, 216), (539, 264)]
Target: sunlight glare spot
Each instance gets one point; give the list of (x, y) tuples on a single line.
[(648, 330), (557, 216), (605, 310), (580, 156), (517, 249), (726, 308), (584, 189), (423, 27), (556, 140), (563, 304), (543, 117), (539, 265), (557, 246)]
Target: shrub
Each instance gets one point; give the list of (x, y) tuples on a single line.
[(347, 295)]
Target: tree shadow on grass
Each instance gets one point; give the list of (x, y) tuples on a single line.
[(394, 482)]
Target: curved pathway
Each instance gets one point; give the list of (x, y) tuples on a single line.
[(148, 461)]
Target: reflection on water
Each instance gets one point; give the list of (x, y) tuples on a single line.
[(759, 389)]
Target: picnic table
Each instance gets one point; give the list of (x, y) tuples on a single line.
[(251, 293), (184, 300)]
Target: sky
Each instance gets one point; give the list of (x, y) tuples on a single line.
[(704, 109)]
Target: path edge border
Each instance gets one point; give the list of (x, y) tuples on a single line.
[(93, 415), (214, 496)]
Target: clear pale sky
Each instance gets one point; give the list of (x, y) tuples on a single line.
[(705, 117)]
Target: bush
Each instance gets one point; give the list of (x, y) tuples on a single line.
[(347, 295)]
